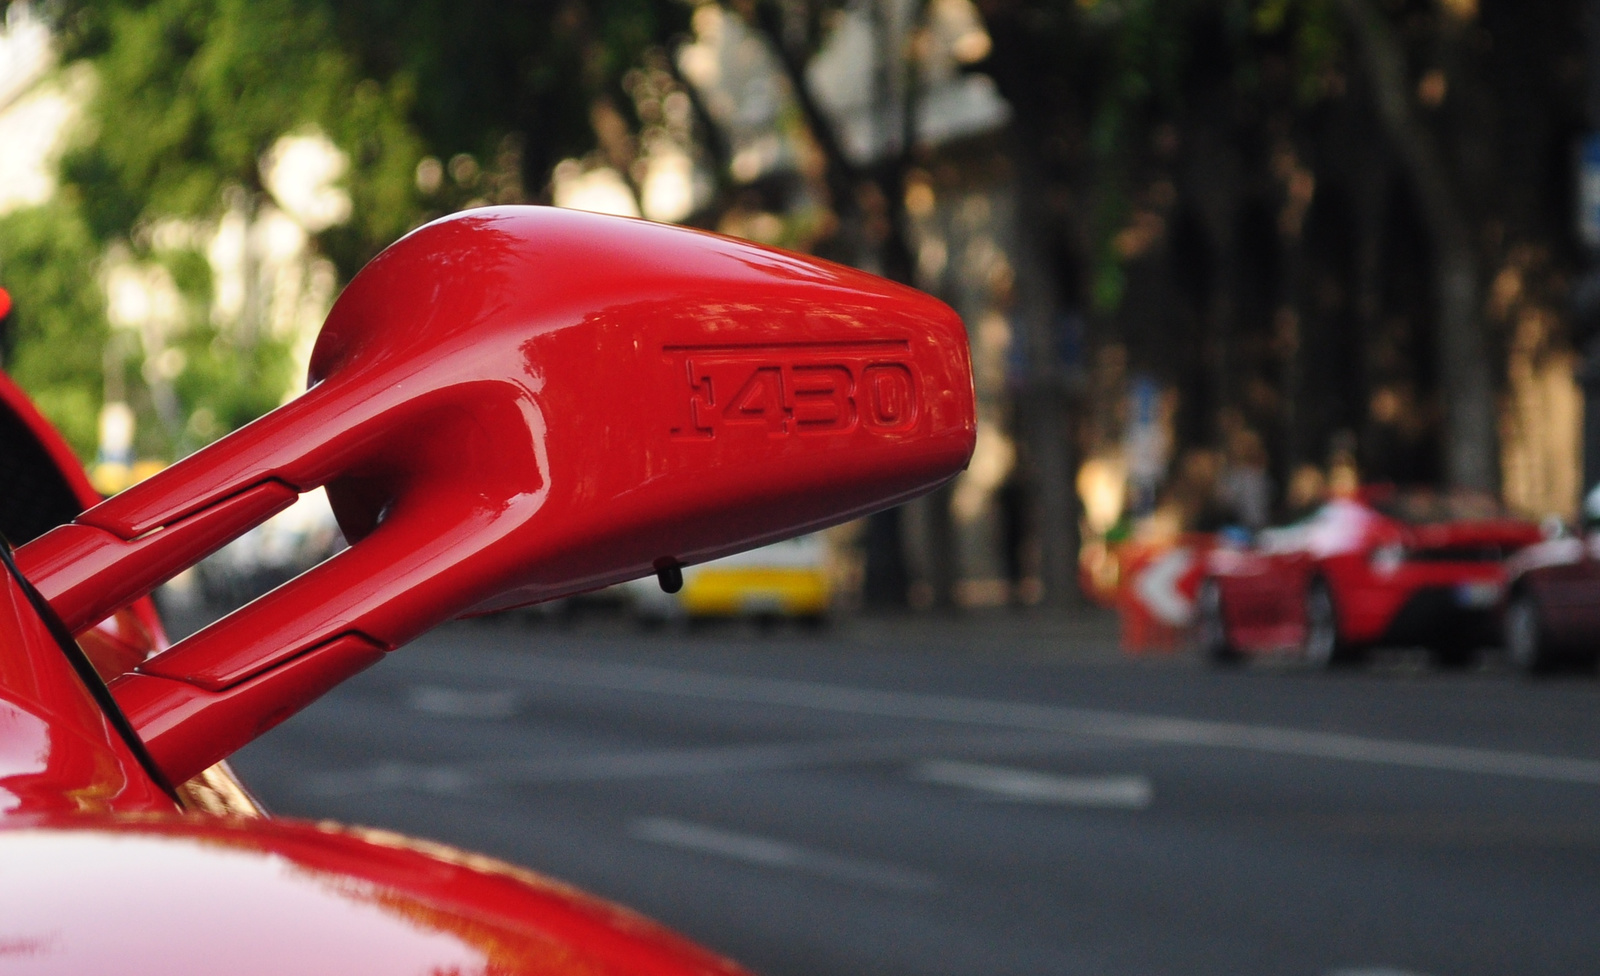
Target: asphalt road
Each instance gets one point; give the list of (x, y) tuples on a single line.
[(987, 796)]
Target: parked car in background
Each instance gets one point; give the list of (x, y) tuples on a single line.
[(1552, 612), (506, 406), (1386, 568), (786, 579)]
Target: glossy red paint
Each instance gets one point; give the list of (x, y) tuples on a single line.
[(134, 631), (271, 897), (516, 404), (59, 753), (100, 872), (509, 405), (1388, 580)]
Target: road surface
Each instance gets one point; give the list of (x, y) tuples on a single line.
[(987, 796)]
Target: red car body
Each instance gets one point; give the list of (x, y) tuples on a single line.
[(1359, 573), (508, 405)]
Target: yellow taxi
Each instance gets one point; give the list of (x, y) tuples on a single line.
[(785, 579)]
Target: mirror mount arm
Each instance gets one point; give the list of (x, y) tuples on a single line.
[(87, 571), (511, 405), (187, 728)]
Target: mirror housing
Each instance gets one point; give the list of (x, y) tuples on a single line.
[(511, 405)]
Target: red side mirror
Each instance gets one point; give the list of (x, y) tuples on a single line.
[(511, 405)]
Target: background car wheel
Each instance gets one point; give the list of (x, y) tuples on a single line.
[(1211, 629), (1527, 646), (1322, 645)]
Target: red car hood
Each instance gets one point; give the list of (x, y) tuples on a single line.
[(247, 897)]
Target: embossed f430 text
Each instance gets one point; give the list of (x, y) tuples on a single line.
[(789, 392)]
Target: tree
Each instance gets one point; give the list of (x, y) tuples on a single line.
[(1463, 348), (542, 73), (1264, 164), (192, 98), (47, 255)]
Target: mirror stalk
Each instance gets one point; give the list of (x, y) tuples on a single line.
[(511, 405)]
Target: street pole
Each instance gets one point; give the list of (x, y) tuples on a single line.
[(1586, 294)]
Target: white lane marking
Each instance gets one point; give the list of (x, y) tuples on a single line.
[(779, 854), (456, 703), (1131, 726), (414, 777), (708, 761), (1027, 786)]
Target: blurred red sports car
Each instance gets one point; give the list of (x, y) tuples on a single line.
[(1389, 568), (508, 405)]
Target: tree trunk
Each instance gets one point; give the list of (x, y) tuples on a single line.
[(1469, 448), (1460, 340)]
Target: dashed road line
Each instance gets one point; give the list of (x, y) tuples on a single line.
[(464, 775), (1027, 786), (456, 703), (1128, 726), (766, 852)]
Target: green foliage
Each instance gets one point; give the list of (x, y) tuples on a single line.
[(193, 92), (372, 128), (483, 69), (224, 386), (1145, 48), (1147, 53), (48, 262), (191, 272), (190, 95), (1314, 31)]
